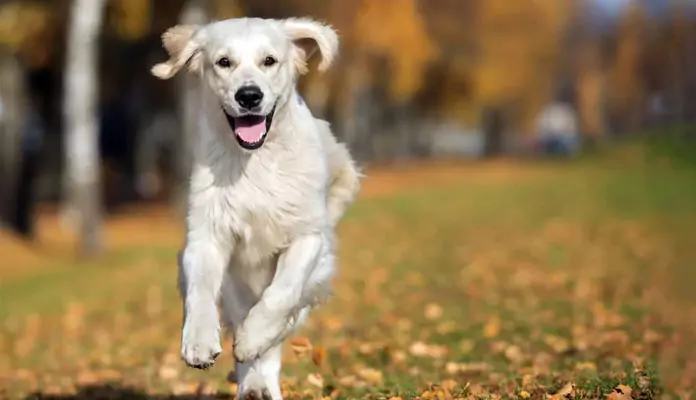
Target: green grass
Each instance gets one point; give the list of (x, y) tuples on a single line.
[(473, 289)]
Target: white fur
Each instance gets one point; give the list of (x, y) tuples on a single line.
[(260, 228)]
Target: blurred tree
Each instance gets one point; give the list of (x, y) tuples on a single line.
[(12, 119), (130, 18), (627, 94), (195, 12), (81, 127), (518, 55)]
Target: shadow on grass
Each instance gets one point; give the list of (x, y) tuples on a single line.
[(118, 392)]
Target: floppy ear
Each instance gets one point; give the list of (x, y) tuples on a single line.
[(325, 37), (183, 47)]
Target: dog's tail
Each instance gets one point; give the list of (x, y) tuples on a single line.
[(345, 175)]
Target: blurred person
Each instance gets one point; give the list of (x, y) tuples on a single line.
[(557, 130), (32, 137)]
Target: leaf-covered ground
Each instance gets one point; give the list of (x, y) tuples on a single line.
[(563, 280)]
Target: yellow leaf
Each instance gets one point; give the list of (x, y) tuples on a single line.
[(525, 394), (586, 366), (492, 328), (371, 375)]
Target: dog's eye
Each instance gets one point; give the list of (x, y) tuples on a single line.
[(269, 61), (224, 62)]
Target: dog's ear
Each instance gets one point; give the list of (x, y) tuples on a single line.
[(324, 36), (184, 47)]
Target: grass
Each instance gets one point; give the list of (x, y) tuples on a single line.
[(563, 279)]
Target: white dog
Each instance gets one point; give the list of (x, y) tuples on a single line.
[(268, 185)]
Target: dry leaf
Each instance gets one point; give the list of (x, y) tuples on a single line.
[(315, 380), (433, 311), (525, 394), (301, 346), (565, 393), (318, 356), (371, 375), (167, 372), (514, 354), (448, 384), (418, 349), (492, 328), (621, 392), (452, 367), (586, 366), (348, 381)]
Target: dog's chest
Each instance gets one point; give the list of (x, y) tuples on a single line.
[(265, 210)]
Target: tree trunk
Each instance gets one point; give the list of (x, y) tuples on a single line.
[(12, 114), (81, 122), (493, 127), (195, 12)]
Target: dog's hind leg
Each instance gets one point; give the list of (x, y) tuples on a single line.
[(345, 176), (258, 379)]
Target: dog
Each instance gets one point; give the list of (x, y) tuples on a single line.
[(268, 185)]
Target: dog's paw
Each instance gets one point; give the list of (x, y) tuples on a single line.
[(256, 394), (248, 347), (200, 344)]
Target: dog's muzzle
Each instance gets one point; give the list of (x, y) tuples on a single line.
[(250, 130)]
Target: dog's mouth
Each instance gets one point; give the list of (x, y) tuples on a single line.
[(250, 130)]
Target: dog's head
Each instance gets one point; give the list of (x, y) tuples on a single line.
[(250, 64)]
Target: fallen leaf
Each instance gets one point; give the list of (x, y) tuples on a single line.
[(371, 375), (586, 366), (558, 344), (301, 346), (348, 381), (452, 368), (319, 355), (448, 384), (315, 380), (433, 311), (621, 392), (234, 388), (525, 394), (418, 349), (492, 327), (167, 372), (514, 354), (565, 393)]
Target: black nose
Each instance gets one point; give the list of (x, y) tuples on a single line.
[(249, 96)]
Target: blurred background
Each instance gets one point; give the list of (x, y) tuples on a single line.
[(511, 147)]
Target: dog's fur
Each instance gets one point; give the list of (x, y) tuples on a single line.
[(260, 227)]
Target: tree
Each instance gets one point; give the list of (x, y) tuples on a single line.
[(195, 12), (81, 127), (12, 112)]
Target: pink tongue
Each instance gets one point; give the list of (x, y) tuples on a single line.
[(250, 131)]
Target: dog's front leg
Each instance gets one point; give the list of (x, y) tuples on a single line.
[(277, 312), (200, 277)]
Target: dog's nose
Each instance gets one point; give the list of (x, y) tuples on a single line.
[(249, 96)]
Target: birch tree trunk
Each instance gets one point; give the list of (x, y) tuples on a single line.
[(81, 123), (195, 12)]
